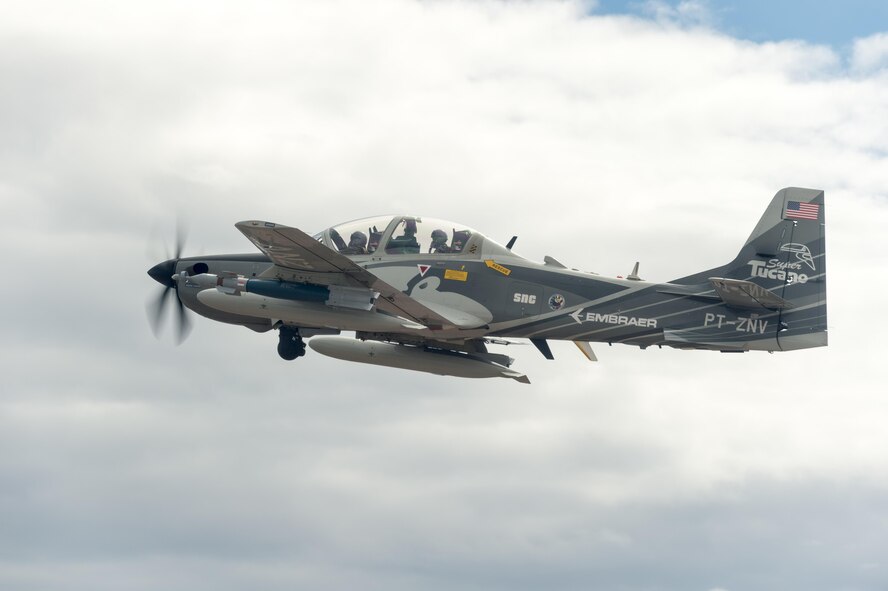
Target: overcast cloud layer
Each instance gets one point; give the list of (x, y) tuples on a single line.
[(128, 463)]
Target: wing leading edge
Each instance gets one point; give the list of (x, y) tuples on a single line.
[(293, 249)]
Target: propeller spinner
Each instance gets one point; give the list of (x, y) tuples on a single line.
[(165, 274)]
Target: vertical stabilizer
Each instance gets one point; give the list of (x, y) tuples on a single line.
[(786, 255)]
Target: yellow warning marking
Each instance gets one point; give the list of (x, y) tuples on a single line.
[(498, 267), (456, 275)]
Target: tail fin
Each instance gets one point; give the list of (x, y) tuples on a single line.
[(786, 255)]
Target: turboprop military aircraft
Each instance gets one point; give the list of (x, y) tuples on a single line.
[(430, 295)]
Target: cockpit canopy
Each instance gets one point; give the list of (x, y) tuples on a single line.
[(406, 234)]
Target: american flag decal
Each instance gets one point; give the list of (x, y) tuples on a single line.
[(802, 211)]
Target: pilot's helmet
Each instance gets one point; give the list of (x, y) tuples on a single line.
[(358, 239), (439, 237)]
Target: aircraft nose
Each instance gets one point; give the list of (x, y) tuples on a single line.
[(163, 272)]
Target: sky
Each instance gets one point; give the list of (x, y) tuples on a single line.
[(830, 23), (600, 134)]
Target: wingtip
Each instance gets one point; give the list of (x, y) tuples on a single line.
[(255, 224)]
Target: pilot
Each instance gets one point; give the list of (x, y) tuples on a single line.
[(439, 242), (405, 243), (409, 230), (357, 244)]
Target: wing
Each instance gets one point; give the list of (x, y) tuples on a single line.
[(293, 249)]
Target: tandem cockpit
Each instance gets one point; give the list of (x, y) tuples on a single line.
[(407, 235)]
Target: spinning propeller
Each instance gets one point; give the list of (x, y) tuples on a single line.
[(165, 274)]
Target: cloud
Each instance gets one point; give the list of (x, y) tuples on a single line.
[(599, 140), (684, 13), (870, 54)]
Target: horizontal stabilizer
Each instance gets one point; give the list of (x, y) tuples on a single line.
[(746, 294)]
